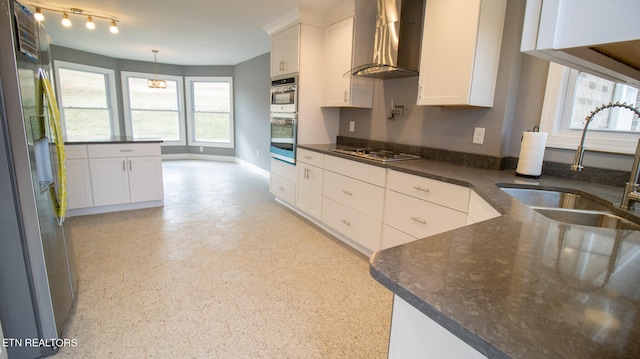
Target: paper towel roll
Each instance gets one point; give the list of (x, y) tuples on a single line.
[(531, 154)]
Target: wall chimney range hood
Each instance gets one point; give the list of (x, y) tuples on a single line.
[(396, 50)]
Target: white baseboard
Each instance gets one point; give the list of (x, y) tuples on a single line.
[(196, 156)]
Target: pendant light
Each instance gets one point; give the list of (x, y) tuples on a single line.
[(155, 83), (90, 24), (39, 15)]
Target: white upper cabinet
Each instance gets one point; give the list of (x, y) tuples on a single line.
[(600, 37), (285, 51), (348, 43), (460, 52)]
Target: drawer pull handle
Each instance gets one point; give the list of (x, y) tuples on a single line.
[(423, 221), (419, 188), (126, 150), (281, 188), (307, 157), (347, 192), (345, 222)]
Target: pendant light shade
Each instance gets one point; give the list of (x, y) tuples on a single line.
[(155, 83)]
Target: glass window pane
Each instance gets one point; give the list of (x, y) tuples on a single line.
[(211, 96), (82, 89), (162, 124), (143, 97), (591, 92), (212, 127), (87, 122)]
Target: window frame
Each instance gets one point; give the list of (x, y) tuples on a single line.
[(110, 84), (189, 81), (558, 100), (125, 75)]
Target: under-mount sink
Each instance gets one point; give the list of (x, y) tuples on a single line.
[(572, 208), (554, 199), (588, 218)]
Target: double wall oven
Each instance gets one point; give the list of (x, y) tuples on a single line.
[(284, 118)]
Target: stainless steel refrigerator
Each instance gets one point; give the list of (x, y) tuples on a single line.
[(37, 271)]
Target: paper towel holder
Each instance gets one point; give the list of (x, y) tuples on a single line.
[(525, 158)]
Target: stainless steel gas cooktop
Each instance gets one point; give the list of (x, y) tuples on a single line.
[(377, 155)]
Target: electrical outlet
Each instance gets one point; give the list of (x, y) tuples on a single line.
[(201, 149), (478, 135), (352, 126), (258, 153)]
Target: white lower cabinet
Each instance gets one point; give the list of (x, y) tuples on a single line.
[(419, 218), (359, 227), (371, 207), (283, 180), (133, 176), (110, 177), (79, 193), (414, 335), (417, 207), (310, 182), (353, 200)]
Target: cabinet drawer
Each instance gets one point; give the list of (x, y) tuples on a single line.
[(360, 228), (310, 157), (75, 151), (124, 150), (392, 237), (284, 169), (442, 193), (420, 218), (364, 172), (361, 196), (283, 189)]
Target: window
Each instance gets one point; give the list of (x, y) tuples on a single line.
[(209, 111), (572, 95), (87, 98), (153, 113)]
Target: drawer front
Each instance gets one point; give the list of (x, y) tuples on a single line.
[(361, 196), (420, 218), (392, 237), (284, 169), (310, 157), (283, 189), (364, 172), (75, 151), (124, 150), (360, 228), (442, 193)]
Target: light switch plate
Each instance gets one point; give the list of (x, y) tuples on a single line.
[(352, 126), (478, 135)]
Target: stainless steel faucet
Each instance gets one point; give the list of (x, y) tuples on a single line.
[(631, 194)]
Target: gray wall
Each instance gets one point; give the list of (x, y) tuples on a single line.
[(251, 98), (517, 107), (119, 65)]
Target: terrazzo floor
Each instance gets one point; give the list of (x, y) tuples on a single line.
[(221, 271)]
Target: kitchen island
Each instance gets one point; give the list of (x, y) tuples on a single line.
[(115, 173), (520, 285)]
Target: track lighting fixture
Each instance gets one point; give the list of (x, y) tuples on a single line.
[(66, 21)]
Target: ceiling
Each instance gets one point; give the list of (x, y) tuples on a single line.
[(186, 32)]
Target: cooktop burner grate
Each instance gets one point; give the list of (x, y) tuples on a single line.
[(376, 154)]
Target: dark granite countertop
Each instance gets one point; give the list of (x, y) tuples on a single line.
[(93, 140), (520, 285)]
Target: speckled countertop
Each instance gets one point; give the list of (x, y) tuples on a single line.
[(91, 140), (520, 285)]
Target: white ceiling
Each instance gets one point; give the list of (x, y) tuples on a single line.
[(186, 32)]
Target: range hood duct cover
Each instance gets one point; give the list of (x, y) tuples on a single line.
[(396, 50)]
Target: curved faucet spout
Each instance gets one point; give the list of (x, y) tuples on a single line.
[(577, 160)]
